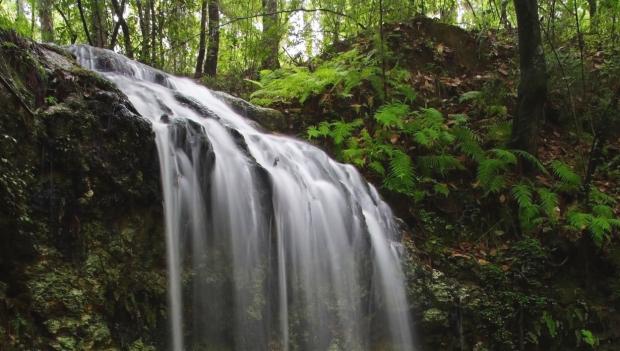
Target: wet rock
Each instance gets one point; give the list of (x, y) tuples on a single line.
[(81, 264), (270, 119)]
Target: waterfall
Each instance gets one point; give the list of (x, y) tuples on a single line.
[(271, 245)]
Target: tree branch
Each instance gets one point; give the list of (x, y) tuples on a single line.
[(69, 28), (81, 9)]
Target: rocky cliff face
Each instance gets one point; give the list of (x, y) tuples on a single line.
[(82, 260)]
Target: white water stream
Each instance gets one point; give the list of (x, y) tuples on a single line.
[(271, 244)]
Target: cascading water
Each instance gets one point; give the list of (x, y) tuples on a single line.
[(271, 245)]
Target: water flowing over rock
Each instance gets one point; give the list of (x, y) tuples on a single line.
[(271, 244)]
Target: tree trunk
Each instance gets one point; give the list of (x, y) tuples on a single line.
[(67, 24), (153, 33), (119, 9), (593, 15), (99, 31), (504, 14), (161, 15), (144, 15), (33, 3), (214, 38), (89, 39), (532, 91), (271, 35), (203, 39), (19, 10), (47, 20)]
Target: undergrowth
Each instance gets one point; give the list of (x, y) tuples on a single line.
[(452, 150)]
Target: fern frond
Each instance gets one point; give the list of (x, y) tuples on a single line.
[(391, 115), (549, 202), (426, 137), (432, 117), (377, 167), (523, 194), (470, 95), (528, 211), (489, 174), (533, 160), (505, 155), (439, 164), (578, 220), (400, 177), (566, 175), (600, 228), (342, 130), (469, 143)]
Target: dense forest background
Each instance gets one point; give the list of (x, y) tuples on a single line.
[(490, 126)]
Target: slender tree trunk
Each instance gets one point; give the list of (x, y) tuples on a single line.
[(47, 20), (153, 32), (19, 9), (33, 3), (119, 9), (144, 15), (271, 35), (160, 33), (100, 36), (214, 38), (89, 39), (203, 39), (382, 43), (532, 91), (504, 14), (115, 30), (593, 15), (67, 24)]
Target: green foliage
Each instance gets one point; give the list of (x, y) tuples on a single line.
[(568, 178), (551, 324), (400, 177), (599, 223), (491, 174), (524, 197), (298, 84), (339, 76), (392, 115), (588, 338), (470, 96)]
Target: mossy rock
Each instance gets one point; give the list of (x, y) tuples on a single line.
[(82, 263)]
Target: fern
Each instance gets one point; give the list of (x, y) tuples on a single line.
[(523, 194), (342, 130), (603, 211), (578, 220), (599, 224), (400, 81), (527, 209), (470, 96), (391, 115), (490, 174), (568, 178), (377, 167), (442, 189), (506, 156), (468, 143), (531, 159), (549, 203), (441, 164), (400, 177), (426, 137)]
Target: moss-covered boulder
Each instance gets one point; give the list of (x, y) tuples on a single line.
[(82, 260)]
